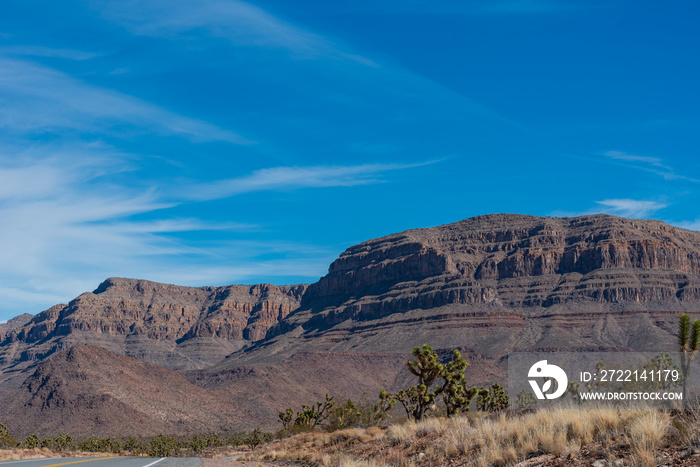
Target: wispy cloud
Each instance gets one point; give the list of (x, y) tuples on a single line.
[(36, 98), (247, 25), (624, 207), (654, 165), (690, 225), (62, 210), (237, 21), (631, 207), (287, 178)]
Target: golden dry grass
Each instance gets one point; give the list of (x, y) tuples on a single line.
[(647, 434), (482, 440), (16, 454)]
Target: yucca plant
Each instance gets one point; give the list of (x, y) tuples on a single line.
[(428, 369), (689, 342), (455, 393)]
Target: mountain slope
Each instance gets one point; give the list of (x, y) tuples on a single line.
[(89, 391), (499, 283), (172, 326), (488, 285)]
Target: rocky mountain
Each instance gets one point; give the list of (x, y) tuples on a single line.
[(513, 261), (500, 283), (14, 323), (488, 285), (88, 391), (172, 326)]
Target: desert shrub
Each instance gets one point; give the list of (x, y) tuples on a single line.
[(492, 400), (258, 437), (114, 445), (31, 442), (363, 414), (7, 441), (236, 439), (63, 442), (307, 418), (134, 445), (647, 434), (91, 444), (197, 443), (525, 399), (163, 446), (214, 441), (343, 416)]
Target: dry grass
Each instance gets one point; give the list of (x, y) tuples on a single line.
[(481, 440), (16, 454), (647, 434), (688, 425)]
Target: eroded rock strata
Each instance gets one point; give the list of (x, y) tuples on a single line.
[(172, 326), (488, 285)]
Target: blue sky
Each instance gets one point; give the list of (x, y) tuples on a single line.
[(218, 141)]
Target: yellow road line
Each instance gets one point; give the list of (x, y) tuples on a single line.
[(77, 462)]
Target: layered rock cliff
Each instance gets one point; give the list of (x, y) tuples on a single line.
[(489, 285), (510, 261), (173, 326)]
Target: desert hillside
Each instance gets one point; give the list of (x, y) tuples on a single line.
[(487, 285)]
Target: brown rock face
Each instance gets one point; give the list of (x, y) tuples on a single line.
[(488, 285), (508, 260), (14, 323), (173, 326), (88, 391)]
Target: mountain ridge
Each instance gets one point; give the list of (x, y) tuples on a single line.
[(173, 326), (487, 285)]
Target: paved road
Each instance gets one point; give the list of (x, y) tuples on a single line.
[(106, 462)]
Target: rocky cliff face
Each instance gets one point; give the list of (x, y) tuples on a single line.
[(173, 326), (14, 323), (162, 311), (488, 285), (511, 261)]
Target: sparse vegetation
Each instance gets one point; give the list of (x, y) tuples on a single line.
[(363, 414), (493, 399), (446, 380), (526, 399), (6, 439), (489, 436), (160, 446), (565, 436), (308, 417), (689, 343)]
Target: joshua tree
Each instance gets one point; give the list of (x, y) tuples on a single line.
[(309, 416), (286, 417), (492, 400), (525, 399), (455, 393), (428, 369), (689, 342)]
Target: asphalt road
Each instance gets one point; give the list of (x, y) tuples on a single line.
[(106, 462)]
